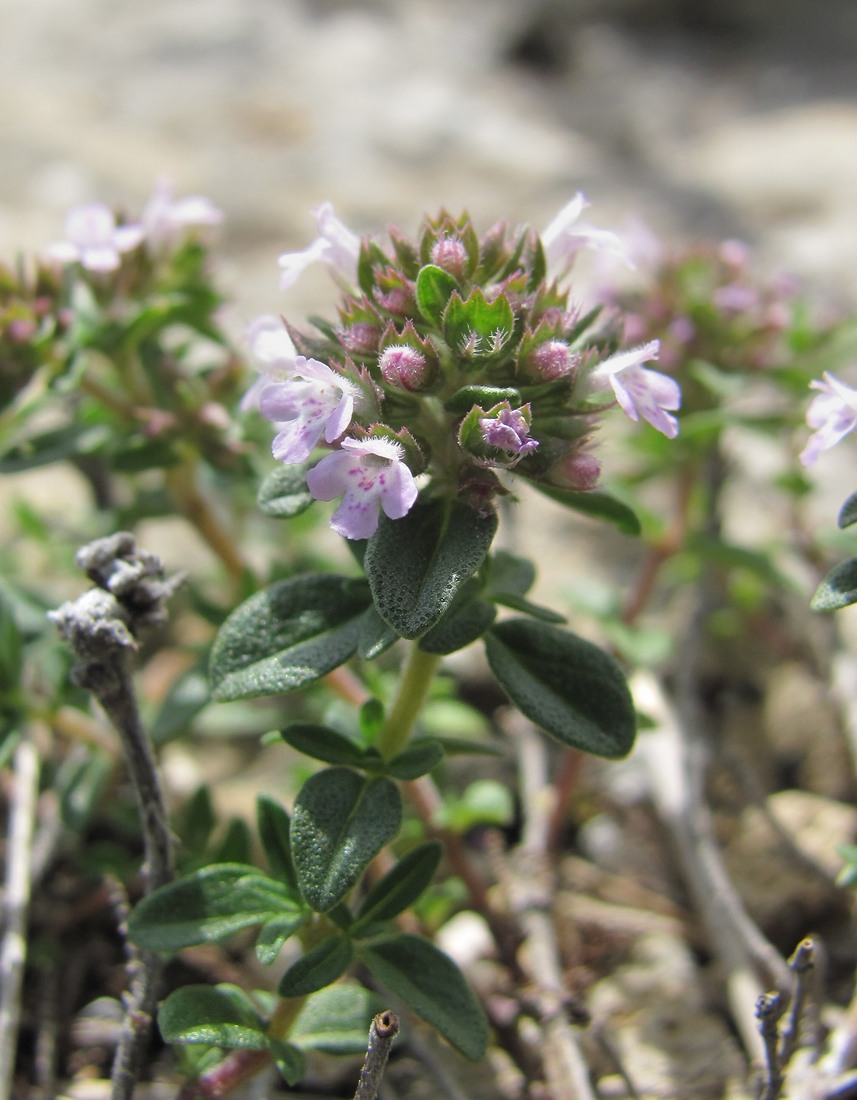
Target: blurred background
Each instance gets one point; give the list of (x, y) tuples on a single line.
[(723, 118)]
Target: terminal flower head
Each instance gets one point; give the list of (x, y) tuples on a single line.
[(314, 402), (640, 391), (370, 475), (93, 238), (832, 413), (272, 353), (565, 237), (335, 245)]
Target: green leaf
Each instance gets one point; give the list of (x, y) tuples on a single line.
[(564, 684), (186, 698), (208, 906), (339, 824), (508, 574), (319, 967), (491, 322), (288, 635), (459, 627), (434, 289), (336, 1019), (11, 648), (484, 802), (271, 938), (417, 759), (274, 828), (401, 886), (431, 985), (290, 1061), (527, 607), (322, 743), (284, 493), (463, 400), (196, 820), (222, 1015), (848, 512), (417, 565), (838, 589), (596, 504), (376, 636)]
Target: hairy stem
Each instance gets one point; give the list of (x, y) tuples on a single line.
[(384, 1029), (406, 708)]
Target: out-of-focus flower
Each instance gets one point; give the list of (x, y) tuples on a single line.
[(335, 245), (833, 414), (642, 392), (166, 221), (93, 238), (565, 237), (370, 475), (314, 402), (272, 353)]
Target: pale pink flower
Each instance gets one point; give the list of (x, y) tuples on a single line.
[(314, 402), (565, 237), (335, 245), (166, 221), (833, 414), (94, 240), (272, 353), (642, 392), (370, 475)]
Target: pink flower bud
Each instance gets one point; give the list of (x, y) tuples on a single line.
[(360, 338), (402, 365), (578, 471), (450, 254), (553, 359)]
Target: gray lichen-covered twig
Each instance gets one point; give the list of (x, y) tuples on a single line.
[(102, 627)]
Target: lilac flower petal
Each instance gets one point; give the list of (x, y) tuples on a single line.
[(833, 413), (399, 493)]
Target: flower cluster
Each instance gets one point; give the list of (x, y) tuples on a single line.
[(832, 414), (95, 240), (705, 304), (452, 360)]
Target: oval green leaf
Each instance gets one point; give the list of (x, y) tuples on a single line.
[(339, 824), (221, 1015), (838, 589), (209, 905), (323, 743), (848, 512), (566, 685), (284, 493), (417, 759), (401, 886), (431, 985), (434, 289), (336, 1019), (274, 828), (319, 967), (596, 504), (288, 635), (417, 565)]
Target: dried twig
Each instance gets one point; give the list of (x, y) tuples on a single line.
[(13, 950), (102, 627), (531, 886), (382, 1033)]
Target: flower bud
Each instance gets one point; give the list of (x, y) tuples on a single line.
[(404, 366), (553, 359), (450, 254), (361, 338), (578, 471)]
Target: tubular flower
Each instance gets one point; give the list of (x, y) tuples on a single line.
[(272, 353), (509, 430), (833, 414), (642, 392), (314, 402), (565, 237), (370, 475), (335, 244), (94, 240)]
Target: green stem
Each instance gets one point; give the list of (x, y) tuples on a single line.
[(406, 708)]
